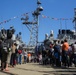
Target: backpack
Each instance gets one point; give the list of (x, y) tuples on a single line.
[(19, 51), (6, 47)]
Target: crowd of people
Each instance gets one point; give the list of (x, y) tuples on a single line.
[(59, 54)]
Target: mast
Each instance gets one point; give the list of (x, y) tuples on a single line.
[(33, 26), (75, 20)]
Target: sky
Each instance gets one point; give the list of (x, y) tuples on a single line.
[(11, 12)]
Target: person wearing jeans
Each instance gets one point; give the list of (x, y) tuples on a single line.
[(25, 56), (20, 58)]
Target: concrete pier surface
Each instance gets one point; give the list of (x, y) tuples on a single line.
[(36, 69)]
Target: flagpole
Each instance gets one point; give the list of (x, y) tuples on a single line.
[(60, 27), (65, 26)]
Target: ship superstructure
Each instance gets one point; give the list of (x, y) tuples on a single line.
[(68, 34)]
